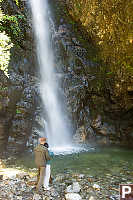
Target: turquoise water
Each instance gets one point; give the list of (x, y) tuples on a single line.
[(102, 161)]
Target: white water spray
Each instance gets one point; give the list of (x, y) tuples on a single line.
[(57, 130)]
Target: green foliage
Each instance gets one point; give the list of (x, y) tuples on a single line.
[(17, 2), (5, 46), (110, 25), (108, 73), (11, 24), (3, 88), (14, 26), (18, 111)]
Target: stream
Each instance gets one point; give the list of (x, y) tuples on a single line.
[(95, 162), (98, 172)]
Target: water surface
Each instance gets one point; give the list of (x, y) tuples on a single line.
[(98, 162)]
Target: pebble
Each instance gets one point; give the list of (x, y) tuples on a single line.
[(73, 196), (67, 186)]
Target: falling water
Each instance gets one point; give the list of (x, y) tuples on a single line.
[(57, 131)]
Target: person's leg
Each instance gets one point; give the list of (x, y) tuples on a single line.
[(38, 175), (47, 176), (51, 178), (49, 172), (41, 178)]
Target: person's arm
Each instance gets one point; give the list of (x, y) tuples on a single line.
[(51, 154), (47, 155)]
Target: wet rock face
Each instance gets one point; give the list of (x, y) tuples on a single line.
[(4, 115), (3, 138), (19, 93), (19, 97), (102, 128), (25, 106), (81, 135), (75, 81), (21, 106), (92, 112), (79, 74)]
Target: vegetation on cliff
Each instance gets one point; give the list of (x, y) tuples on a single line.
[(17, 61), (14, 30), (5, 46), (14, 21), (109, 23), (103, 30)]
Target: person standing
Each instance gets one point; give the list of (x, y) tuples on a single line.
[(41, 157), (48, 169)]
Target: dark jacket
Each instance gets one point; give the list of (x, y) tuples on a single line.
[(41, 155)]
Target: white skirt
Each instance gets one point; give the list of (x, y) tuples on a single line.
[(47, 176)]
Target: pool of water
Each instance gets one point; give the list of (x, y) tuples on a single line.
[(98, 162)]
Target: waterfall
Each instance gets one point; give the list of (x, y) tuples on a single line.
[(57, 130)]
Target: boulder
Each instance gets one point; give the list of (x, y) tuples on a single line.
[(73, 196), (80, 135), (74, 188)]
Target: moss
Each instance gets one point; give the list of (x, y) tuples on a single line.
[(108, 24), (18, 111), (12, 26), (13, 21)]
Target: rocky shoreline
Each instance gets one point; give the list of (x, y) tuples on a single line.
[(19, 184), (98, 112)]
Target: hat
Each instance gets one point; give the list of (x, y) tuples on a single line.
[(46, 145), (42, 139)]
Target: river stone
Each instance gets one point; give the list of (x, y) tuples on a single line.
[(80, 135), (59, 178), (81, 176), (19, 198), (92, 198), (96, 186), (74, 188), (54, 193), (22, 175), (36, 197), (46, 198), (73, 196)]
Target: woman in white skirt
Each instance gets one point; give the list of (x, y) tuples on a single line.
[(48, 170)]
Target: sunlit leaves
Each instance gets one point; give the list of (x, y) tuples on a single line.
[(5, 46), (109, 23), (17, 3)]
